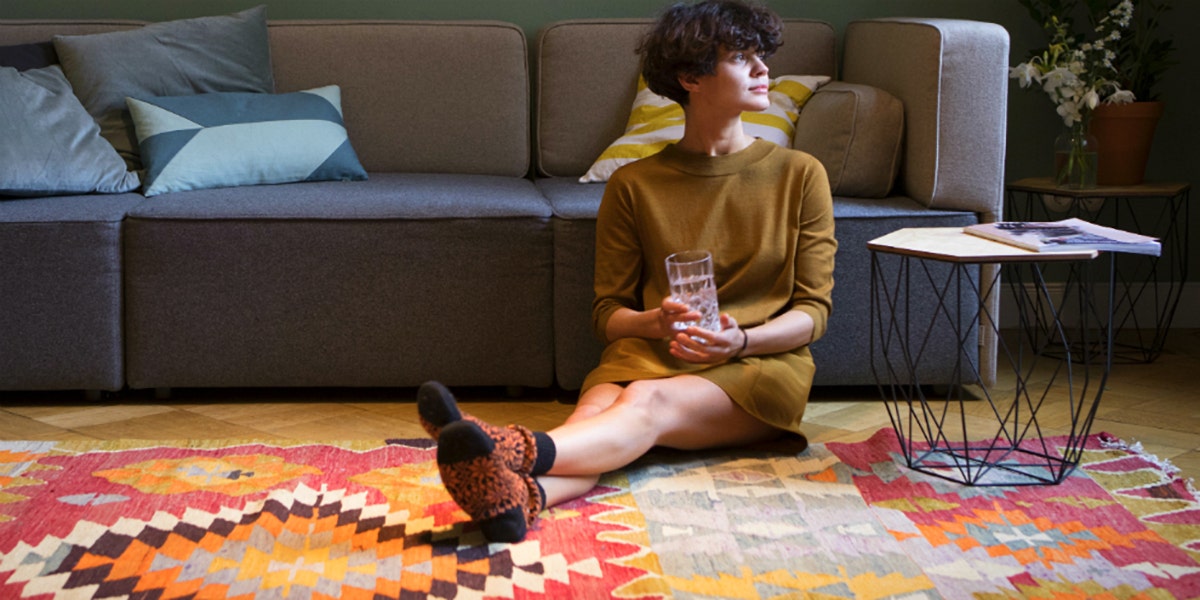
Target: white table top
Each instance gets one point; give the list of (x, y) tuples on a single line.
[(950, 244)]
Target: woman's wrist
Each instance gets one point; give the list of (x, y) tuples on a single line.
[(745, 342)]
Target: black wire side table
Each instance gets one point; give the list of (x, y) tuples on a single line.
[(1148, 288), (982, 432)]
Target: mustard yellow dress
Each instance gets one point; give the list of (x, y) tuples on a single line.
[(766, 214)]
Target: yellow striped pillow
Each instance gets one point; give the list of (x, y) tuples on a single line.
[(656, 121)]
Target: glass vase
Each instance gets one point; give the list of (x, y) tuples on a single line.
[(1075, 158)]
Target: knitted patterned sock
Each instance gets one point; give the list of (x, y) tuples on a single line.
[(537, 499), (436, 408), (544, 453), (495, 497), (517, 446)]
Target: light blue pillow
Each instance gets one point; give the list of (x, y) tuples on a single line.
[(49, 145), (234, 138)]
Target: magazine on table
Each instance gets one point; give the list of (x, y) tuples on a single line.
[(1065, 236)]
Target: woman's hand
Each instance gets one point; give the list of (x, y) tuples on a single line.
[(696, 345), (672, 312)]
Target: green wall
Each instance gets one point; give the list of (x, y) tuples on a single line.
[(1032, 121)]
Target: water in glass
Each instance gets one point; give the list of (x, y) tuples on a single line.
[(700, 294), (690, 274)]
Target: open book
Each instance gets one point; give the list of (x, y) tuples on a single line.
[(1065, 236)]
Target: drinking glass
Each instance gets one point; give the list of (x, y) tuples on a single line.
[(690, 274)]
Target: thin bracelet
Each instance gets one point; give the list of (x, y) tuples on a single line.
[(745, 342)]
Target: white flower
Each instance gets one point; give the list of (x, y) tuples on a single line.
[(1058, 78), (1025, 74), (1120, 97), (1076, 73), (1124, 13), (1069, 111)]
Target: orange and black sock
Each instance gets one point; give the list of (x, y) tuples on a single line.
[(502, 501), (522, 450)]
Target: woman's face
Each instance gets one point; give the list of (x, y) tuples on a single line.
[(739, 84)]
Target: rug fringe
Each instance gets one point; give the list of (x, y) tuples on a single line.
[(1112, 442)]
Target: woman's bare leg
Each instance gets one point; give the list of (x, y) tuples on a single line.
[(563, 489), (614, 425), (593, 402)]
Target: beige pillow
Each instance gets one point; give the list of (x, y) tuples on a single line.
[(656, 121), (856, 131)]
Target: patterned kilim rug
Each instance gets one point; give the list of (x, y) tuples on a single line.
[(363, 520)]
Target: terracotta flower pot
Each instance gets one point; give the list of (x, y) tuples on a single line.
[(1124, 133)]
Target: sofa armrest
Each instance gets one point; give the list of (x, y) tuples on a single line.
[(952, 78)]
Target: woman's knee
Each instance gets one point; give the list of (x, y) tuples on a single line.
[(644, 404), (595, 401), (583, 412), (645, 399)]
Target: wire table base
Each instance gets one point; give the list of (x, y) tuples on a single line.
[(973, 431), (1147, 288)]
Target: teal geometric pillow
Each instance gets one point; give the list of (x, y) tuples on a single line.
[(237, 138)]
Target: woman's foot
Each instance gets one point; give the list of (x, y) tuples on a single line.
[(437, 408), (504, 503)]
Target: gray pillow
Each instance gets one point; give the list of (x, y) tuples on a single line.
[(48, 144), (206, 54)]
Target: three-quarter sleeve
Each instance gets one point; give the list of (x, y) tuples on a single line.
[(815, 251), (618, 258)]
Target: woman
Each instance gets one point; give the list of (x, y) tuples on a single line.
[(766, 215)]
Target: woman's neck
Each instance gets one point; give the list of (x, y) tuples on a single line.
[(713, 137)]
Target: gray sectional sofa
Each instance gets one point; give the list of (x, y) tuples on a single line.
[(466, 256)]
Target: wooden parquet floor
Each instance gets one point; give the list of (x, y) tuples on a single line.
[(1155, 404)]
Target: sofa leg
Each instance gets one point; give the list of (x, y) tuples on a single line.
[(514, 391), (162, 393), (93, 395)]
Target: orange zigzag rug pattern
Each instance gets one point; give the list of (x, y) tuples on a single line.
[(255, 520), (370, 520)]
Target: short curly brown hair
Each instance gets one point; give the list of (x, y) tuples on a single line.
[(687, 40)]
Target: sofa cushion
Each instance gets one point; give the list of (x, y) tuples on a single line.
[(206, 54), (218, 282), (236, 138), (61, 291), (23, 57), (856, 131), (388, 196), (656, 121), (51, 145)]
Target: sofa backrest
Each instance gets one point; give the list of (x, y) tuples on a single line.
[(417, 96), (586, 74), (35, 31)]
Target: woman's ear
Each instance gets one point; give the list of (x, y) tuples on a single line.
[(688, 82)]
